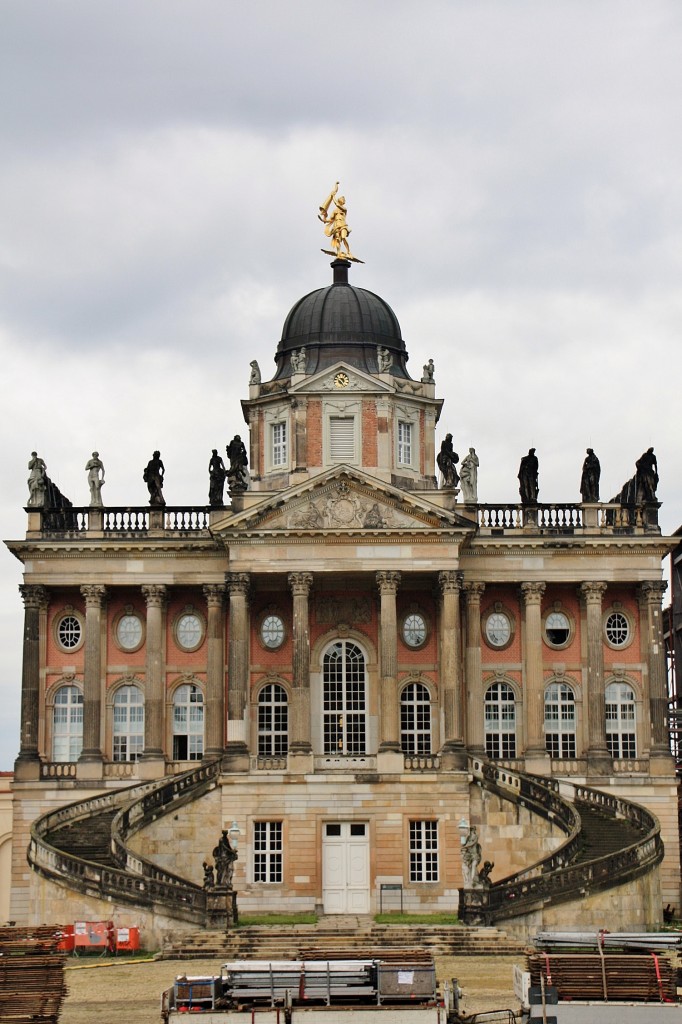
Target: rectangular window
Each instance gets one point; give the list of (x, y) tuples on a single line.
[(342, 439), (279, 444), (404, 443), (423, 851), (267, 851)]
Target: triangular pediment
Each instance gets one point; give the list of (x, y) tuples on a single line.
[(341, 378), (343, 499)]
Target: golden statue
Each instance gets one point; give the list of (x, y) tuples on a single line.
[(336, 227)]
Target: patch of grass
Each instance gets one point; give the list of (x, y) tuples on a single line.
[(248, 919), (417, 919)]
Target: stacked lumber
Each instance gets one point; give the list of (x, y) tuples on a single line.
[(626, 977), (32, 984)]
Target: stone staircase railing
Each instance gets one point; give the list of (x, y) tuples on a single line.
[(135, 880), (560, 877)]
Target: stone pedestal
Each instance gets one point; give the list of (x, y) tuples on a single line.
[(221, 907)]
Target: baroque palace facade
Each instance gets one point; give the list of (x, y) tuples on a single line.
[(348, 642)]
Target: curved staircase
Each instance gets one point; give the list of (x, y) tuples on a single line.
[(609, 841)]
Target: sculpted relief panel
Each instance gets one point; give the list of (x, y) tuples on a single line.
[(345, 510)]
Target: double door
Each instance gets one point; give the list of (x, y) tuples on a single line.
[(345, 868)]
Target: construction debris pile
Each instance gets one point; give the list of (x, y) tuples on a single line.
[(32, 986)]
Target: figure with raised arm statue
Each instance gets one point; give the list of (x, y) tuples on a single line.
[(95, 469), (468, 477), (335, 226)]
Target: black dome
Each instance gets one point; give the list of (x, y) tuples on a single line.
[(341, 322)]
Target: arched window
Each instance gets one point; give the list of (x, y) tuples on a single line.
[(273, 721), (188, 723), (560, 720), (621, 736), (344, 699), (415, 719), (67, 724), (500, 721), (128, 723)]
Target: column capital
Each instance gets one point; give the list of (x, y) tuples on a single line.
[(592, 593), (95, 595), (651, 591), (532, 592), (449, 581), (388, 582), (474, 591), (214, 594), (238, 583), (154, 594), (300, 583), (34, 595)]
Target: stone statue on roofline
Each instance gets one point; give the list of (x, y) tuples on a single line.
[(427, 375), (254, 376), (216, 480), (95, 470), (468, 477), (335, 225), (37, 481), (153, 476), (529, 485), (646, 478), (589, 481), (447, 459), (237, 474)]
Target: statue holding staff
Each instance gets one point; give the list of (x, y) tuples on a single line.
[(336, 227)]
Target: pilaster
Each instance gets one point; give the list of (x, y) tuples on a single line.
[(537, 758), (475, 732), (91, 758), (598, 758), (388, 583), (215, 669), (650, 594), (236, 757), (152, 762), (300, 748), (453, 753)]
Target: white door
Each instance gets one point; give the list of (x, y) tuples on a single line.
[(345, 868)]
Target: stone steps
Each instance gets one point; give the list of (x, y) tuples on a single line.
[(602, 835), (89, 838), (262, 942)]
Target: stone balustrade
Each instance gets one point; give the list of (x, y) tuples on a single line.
[(568, 518)]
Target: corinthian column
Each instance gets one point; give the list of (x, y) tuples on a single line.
[(388, 583), (215, 669), (36, 599), (475, 732), (650, 594), (95, 600), (237, 747), (300, 583), (598, 759), (453, 752), (155, 596), (534, 696)]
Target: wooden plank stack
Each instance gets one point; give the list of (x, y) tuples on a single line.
[(32, 986), (626, 977)]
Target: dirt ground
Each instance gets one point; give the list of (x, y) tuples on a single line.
[(107, 992)]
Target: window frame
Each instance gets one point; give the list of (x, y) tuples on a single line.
[(68, 611), (75, 737), (617, 609), (624, 746), (416, 720), (132, 755), (497, 608), (272, 741), (268, 852), (404, 446), (558, 609), (279, 449), (188, 610), (506, 699), (424, 868), (561, 742), (197, 753), (333, 732)]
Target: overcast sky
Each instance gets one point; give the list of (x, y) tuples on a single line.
[(512, 172)]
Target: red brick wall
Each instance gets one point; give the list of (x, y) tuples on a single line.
[(369, 432), (314, 432)]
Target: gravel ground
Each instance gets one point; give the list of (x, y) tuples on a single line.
[(118, 993)]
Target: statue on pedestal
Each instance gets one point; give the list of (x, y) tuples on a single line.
[(589, 481), (427, 376), (37, 481), (216, 480), (336, 227), (471, 858), (237, 477), (95, 469), (224, 857), (254, 376), (529, 485), (447, 459), (153, 477), (384, 359), (468, 477), (646, 477)]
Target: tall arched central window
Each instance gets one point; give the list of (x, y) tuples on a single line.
[(344, 699), (188, 724), (560, 720), (273, 721), (500, 721), (621, 736), (67, 724), (128, 723)]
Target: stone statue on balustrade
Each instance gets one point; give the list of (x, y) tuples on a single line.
[(237, 474), (427, 375), (216, 480), (589, 481), (471, 858), (529, 484), (447, 460), (646, 477), (468, 477), (95, 471), (37, 481), (153, 476), (254, 376)]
